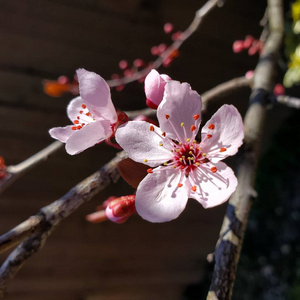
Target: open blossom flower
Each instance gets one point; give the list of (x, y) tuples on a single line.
[(154, 88), (185, 168), (93, 115)]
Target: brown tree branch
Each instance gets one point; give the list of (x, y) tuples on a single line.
[(50, 216), (229, 245), (289, 101), (14, 172)]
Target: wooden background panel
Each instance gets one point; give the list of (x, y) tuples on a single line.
[(44, 39)]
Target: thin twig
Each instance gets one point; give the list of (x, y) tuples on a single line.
[(199, 16), (229, 245), (289, 101), (50, 216), (14, 172)]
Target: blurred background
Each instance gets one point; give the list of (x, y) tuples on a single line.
[(137, 260)]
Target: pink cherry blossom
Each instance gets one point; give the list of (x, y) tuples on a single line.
[(93, 115), (185, 168), (154, 88)]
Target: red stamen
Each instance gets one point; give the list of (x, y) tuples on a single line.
[(223, 149), (214, 169), (151, 128), (73, 127), (88, 114), (81, 111), (163, 133), (83, 106), (193, 127), (194, 188), (76, 122), (179, 184), (209, 136), (78, 127), (196, 117), (211, 126), (150, 171), (167, 116)]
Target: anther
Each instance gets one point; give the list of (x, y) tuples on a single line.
[(76, 122), (167, 116), (196, 117), (209, 136), (197, 164), (188, 140), (193, 127), (78, 127), (161, 144), (191, 152), (180, 159), (165, 163), (150, 171), (194, 141), (214, 169), (204, 154), (211, 126), (223, 149), (151, 128), (145, 160), (194, 188), (182, 124), (74, 127), (179, 184), (83, 106)]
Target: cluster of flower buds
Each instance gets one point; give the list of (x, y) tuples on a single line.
[(249, 43), (56, 88), (117, 210), (128, 69), (2, 168)]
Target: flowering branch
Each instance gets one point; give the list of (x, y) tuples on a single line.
[(200, 15), (34, 232), (229, 245)]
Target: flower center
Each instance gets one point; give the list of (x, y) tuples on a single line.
[(83, 118)]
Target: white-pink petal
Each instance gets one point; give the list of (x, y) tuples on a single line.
[(61, 133), (155, 86), (158, 198), (143, 145), (226, 136), (95, 93), (213, 189), (88, 136), (180, 104), (74, 107)]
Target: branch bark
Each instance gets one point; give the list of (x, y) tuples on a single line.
[(229, 245), (49, 217)]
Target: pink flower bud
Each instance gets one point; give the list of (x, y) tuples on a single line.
[(155, 87), (238, 46), (123, 64), (168, 28), (249, 74), (154, 50), (120, 209), (248, 41), (138, 63), (176, 35), (278, 89), (162, 48)]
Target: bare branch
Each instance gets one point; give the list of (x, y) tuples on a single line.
[(14, 172), (49, 217), (289, 101), (199, 16), (229, 245)]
